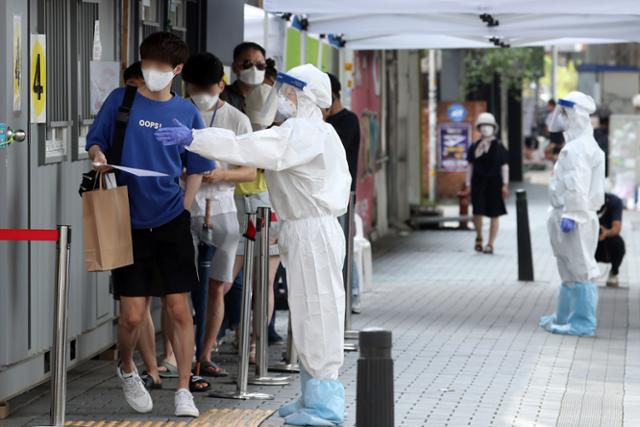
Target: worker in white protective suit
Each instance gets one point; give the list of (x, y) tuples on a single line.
[(309, 182), (577, 192)]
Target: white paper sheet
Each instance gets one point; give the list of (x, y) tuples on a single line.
[(134, 171)]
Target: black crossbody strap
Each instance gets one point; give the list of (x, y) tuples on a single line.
[(115, 151)]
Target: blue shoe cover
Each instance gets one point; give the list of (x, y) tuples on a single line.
[(297, 404), (547, 322), (582, 321), (563, 310), (324, 404), (306, 418), (290, 408)]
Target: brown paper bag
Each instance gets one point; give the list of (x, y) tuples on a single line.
[(107, 228)]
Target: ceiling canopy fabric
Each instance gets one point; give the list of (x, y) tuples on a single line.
[(415, 24)]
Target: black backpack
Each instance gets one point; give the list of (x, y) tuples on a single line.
[(114, 154)]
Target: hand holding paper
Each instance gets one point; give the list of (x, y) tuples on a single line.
[(179, 135)]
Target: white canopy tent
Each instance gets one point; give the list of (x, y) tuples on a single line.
[(446, 24), (414, 24), (547, 7)]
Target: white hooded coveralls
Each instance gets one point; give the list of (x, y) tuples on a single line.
[(577, 192), (309, 182)]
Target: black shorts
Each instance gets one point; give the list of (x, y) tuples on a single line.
[(163, 261)]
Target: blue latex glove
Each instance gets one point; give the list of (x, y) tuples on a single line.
[(567, 225), (179, 135)]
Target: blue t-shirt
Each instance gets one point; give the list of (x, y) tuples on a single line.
[(154, 201)]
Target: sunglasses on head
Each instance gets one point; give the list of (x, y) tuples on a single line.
[(259, 65)]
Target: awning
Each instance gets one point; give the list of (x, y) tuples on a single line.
[(414, 24), (474, 7)]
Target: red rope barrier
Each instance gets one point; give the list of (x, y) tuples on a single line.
[(31, 235)]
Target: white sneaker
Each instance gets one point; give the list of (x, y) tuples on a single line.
[(135, 392), (356, 308), (185, 407), (613, 281)]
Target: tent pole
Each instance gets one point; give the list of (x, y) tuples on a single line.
[(303, 47), (554, 72), (265, 29), (432, 125)]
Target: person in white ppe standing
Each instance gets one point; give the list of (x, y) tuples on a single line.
[(576, 192), (309, 182)]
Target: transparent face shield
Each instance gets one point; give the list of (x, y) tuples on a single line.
[(284, 95), (560, 117), (261, 114)]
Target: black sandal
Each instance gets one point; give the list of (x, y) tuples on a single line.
[(210, 369), (198, 384), (149, 382), (478, 246)]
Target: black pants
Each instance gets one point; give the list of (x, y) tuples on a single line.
[(611, 250)]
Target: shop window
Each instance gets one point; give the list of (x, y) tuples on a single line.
[(87, 14), (57, 30), (177, 16), (150, 12)]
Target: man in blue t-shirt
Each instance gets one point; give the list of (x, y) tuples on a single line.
[(611, 249), (162, 245)]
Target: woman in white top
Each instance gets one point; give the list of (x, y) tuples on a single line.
[(217, 229)]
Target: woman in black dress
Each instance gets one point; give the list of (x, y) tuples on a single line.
[(488, 178)]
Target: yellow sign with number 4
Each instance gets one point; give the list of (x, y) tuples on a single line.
[(38, 78)]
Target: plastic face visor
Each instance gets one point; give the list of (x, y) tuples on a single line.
[(566, 103), (560, 117), (284, 86)]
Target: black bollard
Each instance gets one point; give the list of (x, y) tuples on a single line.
[(374, 400), (525, 259)]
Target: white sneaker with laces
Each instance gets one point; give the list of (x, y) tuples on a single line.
[(135, 392), (185, 407)]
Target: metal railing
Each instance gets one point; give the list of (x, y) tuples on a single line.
[(261, 313), (61, 302)]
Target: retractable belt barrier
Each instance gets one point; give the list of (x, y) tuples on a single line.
[(289, 362), (347, 274), (261, 313), (62, 235), (245, 322)]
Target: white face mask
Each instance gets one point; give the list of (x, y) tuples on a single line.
[(286, 108), (486, 130), (156, 80), (204, 101), (252, 76)]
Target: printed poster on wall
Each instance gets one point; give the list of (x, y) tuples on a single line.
[(455, 139), (105, 77), (16, 68)]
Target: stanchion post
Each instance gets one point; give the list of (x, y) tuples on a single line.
[(245, 322), (525, 258), (59, 351), (347, 273), (289, 361), (374, 399), (262, 304)]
